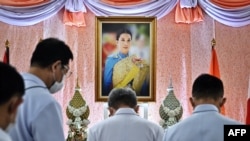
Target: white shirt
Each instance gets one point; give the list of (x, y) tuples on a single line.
[(4, 136), (39, 117), (125, 125), (205, 124)]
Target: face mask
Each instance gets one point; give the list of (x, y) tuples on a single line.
[(57, 86)]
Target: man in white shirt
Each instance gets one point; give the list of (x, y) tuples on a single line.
[(11, 92), (124, 124), (39, 117), (206, 123)]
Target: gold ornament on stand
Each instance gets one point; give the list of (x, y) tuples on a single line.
[(170, 110), (77, 112)]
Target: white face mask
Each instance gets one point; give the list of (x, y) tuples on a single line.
[(57, 86)]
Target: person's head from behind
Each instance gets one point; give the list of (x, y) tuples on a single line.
[(122, 98), (123, 40), (11, 92), (52, 55), (207, 89)]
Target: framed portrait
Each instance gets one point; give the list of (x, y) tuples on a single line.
[(125, 56)]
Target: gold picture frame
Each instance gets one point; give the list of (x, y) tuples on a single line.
[(112, 70)]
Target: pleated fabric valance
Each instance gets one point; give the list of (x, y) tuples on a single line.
[(235, 13)]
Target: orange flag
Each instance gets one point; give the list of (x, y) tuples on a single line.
[(214, 69), (6, 57), (248, 104)]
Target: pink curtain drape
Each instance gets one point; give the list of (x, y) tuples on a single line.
[(74, 13), (74, 18), (22, 2), (188, 15), (124, 2), (231, 3)]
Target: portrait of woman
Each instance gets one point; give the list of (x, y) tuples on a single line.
[(125, 56), (123, 68)]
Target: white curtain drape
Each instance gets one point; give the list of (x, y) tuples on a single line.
[(30, 15), (235, 17), (152, 8)]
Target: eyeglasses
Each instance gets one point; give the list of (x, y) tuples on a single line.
[(67, 72)]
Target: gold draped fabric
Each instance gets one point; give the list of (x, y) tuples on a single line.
[(126, 71)]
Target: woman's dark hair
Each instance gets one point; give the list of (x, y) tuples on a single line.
[(124, 30)]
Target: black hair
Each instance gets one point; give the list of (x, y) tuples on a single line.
[(50, 50), (122, 96), (11, 83), (124, 30), (207, 86)]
